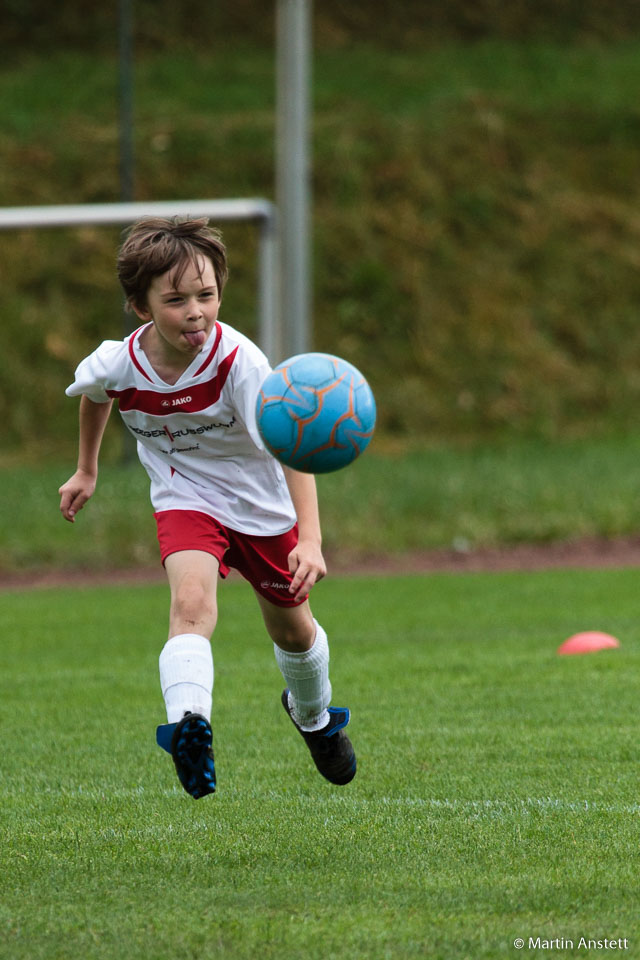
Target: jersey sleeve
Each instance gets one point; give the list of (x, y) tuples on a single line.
[(94, 374)]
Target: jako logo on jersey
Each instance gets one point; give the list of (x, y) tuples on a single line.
[(201, 395), (274, 585)]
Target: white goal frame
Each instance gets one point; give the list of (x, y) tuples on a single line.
[(253, 210)]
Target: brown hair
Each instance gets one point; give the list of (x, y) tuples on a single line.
[(155, 244)]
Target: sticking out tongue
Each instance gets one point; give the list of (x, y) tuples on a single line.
[(197, 338)]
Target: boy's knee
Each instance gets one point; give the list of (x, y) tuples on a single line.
[(193, 605), (294, 637)]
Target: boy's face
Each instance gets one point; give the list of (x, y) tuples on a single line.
[(183, 313)]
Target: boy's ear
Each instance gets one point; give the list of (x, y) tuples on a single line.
[(141, 310)]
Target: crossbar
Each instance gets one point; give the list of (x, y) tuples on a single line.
[(255, 210)]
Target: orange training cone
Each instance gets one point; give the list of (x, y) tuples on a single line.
[(588, 642)]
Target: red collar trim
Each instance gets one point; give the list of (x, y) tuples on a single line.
[(212, 352), (134, 336), (138, 365)]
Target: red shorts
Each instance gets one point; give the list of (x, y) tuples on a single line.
[(263, 561)]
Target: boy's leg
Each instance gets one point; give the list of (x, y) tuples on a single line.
[(302, 653), (186, 668), (193, 580), (186, 662)]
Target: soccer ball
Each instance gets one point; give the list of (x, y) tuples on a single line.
[(315, 413)]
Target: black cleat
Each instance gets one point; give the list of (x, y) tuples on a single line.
[(191, 749), (330, 747)]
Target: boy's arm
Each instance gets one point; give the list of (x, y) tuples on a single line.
[(77, 490), (305, 560)]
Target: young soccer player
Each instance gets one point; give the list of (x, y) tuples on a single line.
[(186, 385)]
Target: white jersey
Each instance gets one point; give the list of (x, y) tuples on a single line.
[(197, 438)]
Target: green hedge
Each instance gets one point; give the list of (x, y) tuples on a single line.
[(476, 225), (28, 25)]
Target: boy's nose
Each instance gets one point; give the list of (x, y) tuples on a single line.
[(193, 310)]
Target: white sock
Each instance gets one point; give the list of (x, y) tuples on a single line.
[(186, 676), (307, 676)]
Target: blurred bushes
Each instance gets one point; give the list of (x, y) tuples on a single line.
[(496, 282), (476, 222), (36, 25)]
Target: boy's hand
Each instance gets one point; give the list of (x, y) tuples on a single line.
[(307, 564), (75, 493)]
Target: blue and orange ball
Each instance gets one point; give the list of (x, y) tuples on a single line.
[(315, 413)]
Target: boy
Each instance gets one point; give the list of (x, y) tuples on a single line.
[(186, 385)]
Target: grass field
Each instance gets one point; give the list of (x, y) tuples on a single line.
[(429, 497), (496, 796)]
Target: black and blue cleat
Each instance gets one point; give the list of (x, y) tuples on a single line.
[(330, 747), (190, 744)]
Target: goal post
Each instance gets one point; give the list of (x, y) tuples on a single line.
[(253, 210)]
